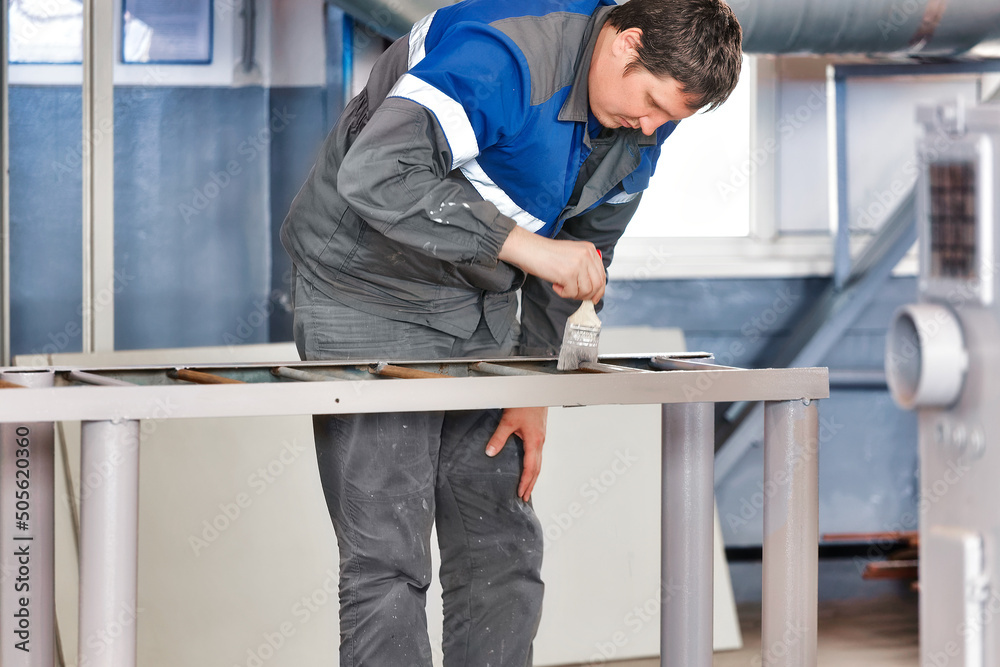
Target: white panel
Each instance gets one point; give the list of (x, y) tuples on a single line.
[(951, 600)]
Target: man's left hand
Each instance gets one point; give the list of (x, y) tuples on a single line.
[(529, 425)]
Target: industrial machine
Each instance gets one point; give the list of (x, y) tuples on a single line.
[(943, 360)]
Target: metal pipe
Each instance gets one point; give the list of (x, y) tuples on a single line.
[(98, 177), (791, 534), (84, 377), (499, 369), (300, 375), (4, 191), (27, 536), (857, 378), (249, 15), (388, 17), (925, 27), (109, 544), (599, 367), (687, 533), (840, 216)]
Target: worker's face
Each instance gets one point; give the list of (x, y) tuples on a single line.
[(638, 99)]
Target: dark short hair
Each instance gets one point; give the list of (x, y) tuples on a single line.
[(696, 42)]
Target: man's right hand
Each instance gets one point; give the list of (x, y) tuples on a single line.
[(574, 268)]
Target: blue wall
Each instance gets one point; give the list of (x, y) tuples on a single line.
[(45, 208), (202, 177), (191, 216)]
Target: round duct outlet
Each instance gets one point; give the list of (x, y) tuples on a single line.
[(925, 359)]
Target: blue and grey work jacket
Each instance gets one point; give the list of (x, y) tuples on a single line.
[(475, 122)]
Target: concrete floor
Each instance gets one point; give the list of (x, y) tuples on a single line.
[(873, 633)]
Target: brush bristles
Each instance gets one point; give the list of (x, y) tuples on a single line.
[(579, 345)]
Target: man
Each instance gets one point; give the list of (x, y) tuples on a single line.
[(498, 147)]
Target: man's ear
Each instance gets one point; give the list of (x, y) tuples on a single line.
[(628, 41)]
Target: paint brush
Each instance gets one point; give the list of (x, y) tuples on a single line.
[(580, 338)]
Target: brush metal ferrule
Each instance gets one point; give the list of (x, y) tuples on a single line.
[(581, 336)]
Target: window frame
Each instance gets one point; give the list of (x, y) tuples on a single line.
[(220, 71), (120, 37)]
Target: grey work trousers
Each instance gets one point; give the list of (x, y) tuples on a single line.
[(388, 477)]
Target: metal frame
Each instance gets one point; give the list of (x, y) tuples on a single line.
[(109, 540), (763, 135), (687, 508), (111, 412), (98, 308)]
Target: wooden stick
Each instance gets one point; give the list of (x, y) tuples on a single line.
[(910, 537), (198, 377), (388, 370), (892, 569)]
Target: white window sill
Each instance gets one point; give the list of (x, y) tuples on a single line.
[(735, 257)]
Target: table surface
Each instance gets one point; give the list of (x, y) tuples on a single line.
[(352, 389)]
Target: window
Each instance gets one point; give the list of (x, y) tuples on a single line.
[(50, 32), (45, 31), (701, 185), (167, 31)]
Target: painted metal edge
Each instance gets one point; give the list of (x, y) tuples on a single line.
[(408, 395)]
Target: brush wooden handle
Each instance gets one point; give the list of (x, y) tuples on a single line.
[(585, 315), (200, 377)]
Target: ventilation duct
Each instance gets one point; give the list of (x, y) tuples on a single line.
[(391, 18), (913, 27)]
